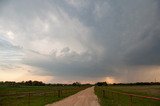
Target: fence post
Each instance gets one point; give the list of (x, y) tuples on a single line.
[(16, 100), (53, 93), (103, 93), (44, 97), (118, 98), (0, 101), (29, 97), (59, 93), (112, 98), (130, 100)]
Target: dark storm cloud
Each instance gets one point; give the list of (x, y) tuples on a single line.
[(70, 64), (130, 32), (85, 38), (148, 49)]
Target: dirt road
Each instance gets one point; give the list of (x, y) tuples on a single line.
[(82, 98)]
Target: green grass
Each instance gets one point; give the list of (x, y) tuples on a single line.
[(39, 95), (113, 99)]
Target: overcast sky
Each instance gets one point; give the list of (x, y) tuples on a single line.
[(80, 40)]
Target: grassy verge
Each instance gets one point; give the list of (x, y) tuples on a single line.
[(109, 98), (35, 95)]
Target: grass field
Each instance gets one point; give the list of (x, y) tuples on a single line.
[(108, 95), (35, 95)]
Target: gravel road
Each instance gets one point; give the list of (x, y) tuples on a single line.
[(83, 98)]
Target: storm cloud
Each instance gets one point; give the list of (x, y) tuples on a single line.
[(83, 40)]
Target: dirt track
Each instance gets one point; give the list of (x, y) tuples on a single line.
[(82, 98)]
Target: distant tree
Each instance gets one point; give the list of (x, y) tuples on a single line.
[(38, 83), (101, 84), (76, 84), (28, 83)]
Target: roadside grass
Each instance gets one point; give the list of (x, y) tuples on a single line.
[(110, 98), (22, 89), (35, 95)]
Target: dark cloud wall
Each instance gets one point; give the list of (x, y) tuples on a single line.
[(95, 39), (147, 52)]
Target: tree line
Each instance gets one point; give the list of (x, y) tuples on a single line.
[(38, 83), (136, 83)]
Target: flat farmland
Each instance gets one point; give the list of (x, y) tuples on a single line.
[(125, 95), (35, 95)]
